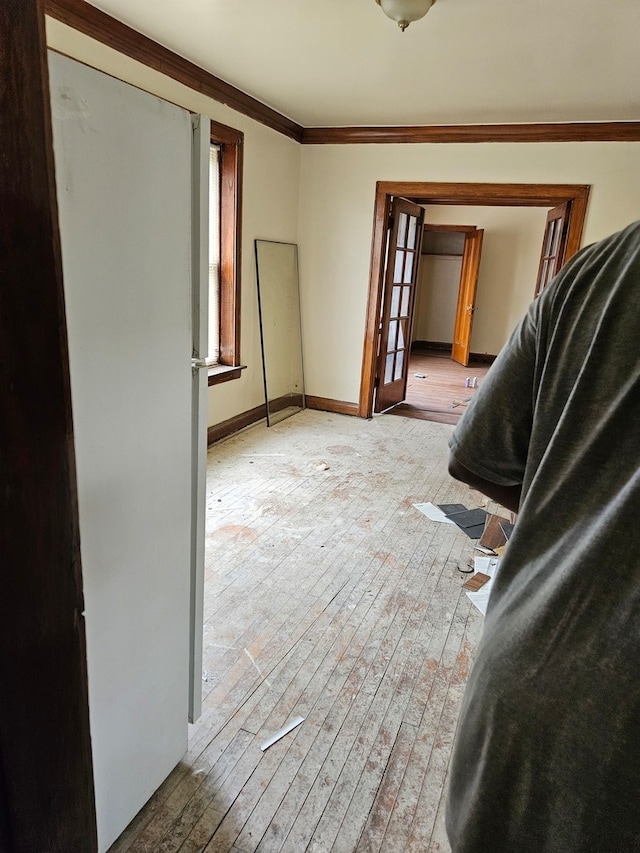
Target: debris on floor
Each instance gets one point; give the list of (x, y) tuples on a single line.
[(470, 521), (492, 533), (479, 597), (466, 568), (476, 582), (494, 537), (433, 512), (282, 732)]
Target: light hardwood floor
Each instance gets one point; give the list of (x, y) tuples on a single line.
[(436, 387), (329, 596)]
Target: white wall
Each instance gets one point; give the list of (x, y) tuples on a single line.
[(270, 195), (336, 220)]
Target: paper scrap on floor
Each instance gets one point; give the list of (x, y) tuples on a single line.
[(488, 566), (470, 521), (433, 512)]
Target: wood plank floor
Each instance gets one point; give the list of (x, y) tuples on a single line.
[(329, 596), (436, 387)]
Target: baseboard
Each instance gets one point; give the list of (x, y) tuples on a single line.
[(481, 358), (226, 428), (443, 346), (286, 402), (421, 346), (326, 404)]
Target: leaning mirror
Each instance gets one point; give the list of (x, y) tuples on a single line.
[(280, 328)]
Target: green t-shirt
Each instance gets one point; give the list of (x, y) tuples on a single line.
[(547, 755)]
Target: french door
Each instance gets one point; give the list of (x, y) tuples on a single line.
[(404, 238), (554, 245)]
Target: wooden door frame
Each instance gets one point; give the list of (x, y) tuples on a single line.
[(46, 778), (472, 194)]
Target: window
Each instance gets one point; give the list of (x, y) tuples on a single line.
[(214, 254), (225, 211)]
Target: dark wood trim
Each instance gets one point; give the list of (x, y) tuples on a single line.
[(287, 401), (326, 404), (98, 25), (259, 413), (481, 358), (429, 346), (498, 195), (217, 377), (46, 777), (606, 131), (224, 134), (444, 347), (462, 229), (229, 427), (232, 425), (478, 194), (231, 143)]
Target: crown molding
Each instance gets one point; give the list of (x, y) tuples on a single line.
[(610, 131), (93, 22), (87, 19)]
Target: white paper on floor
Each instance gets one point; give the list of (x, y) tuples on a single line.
[(489, 566), (434, 513)]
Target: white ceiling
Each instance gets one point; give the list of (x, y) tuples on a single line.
[(343, 62)]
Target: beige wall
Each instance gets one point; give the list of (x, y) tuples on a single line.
[(322, 197), (436, 298), (270, 198), (336, 219), (508, 267)]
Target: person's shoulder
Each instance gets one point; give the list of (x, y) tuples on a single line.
[(628, 236), (632, 231), (607, 252), (610, 259)]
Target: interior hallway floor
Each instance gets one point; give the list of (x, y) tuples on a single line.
[(328, 596), (436, 388)]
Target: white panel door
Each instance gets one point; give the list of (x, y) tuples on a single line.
[(123, 171)]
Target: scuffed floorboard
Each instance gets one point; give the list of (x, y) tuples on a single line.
[(330, 597)]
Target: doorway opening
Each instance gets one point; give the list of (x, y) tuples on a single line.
[(560, 243), (442, 370)]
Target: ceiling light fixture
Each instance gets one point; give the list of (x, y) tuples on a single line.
[(405, 11)]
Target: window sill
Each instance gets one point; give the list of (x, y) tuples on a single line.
[(224, 373)]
